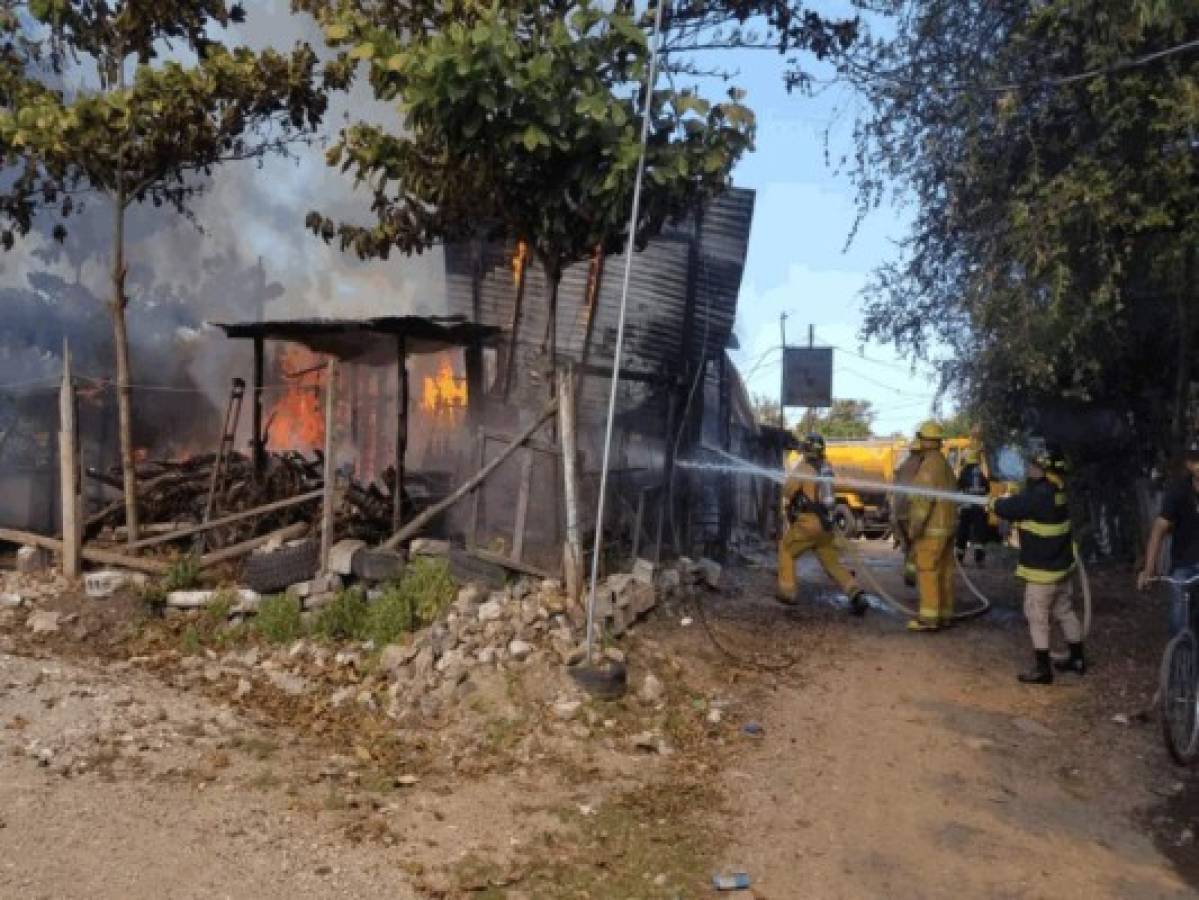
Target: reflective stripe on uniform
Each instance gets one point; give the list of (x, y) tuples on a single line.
[(937, 532), (1060, 500), (1043, 576), (1045, 529)]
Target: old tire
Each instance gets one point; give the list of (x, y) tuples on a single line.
[(845, 520), (607, 681), (268, 573)]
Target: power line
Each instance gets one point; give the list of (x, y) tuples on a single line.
[(1052, 82)]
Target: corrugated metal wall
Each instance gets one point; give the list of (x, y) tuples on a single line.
[(654, 336)]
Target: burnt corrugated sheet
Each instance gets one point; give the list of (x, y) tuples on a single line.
[(656, 310)]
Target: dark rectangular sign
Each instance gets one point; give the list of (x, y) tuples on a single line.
[(808, 376)]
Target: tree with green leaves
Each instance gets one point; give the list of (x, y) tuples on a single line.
[(163, 101), (523, 117), (845, 419), (520, 120), (1048, 150)]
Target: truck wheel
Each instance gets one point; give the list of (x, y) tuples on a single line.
[(845, 520)]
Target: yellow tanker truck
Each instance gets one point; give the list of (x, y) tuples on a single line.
[(868, 513)]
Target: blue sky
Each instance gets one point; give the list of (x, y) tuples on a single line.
[(798, 262)]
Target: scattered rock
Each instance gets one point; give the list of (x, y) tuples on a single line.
[(292, 685), (407, 780), (644, 572), (652, 690), (709, 571), (491, 611), (428, 547), (615, 654), (395, 656), (976, 743), (244, 687), (686, 621), (1120, 719), (519, 650), (44, 622), (33, 560), (565, 710), (649, 742), (107, 582), (422, 664), (1030, 726), (198, 599), (714, 716), (341, 556), (10, 600), (1186, 838)]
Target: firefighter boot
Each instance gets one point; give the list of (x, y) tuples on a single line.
[(1040, 673), (1076, 662), (858, 604)]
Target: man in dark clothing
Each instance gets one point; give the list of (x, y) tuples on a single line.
[(1042, 517), (1179, 518), (972, 520)]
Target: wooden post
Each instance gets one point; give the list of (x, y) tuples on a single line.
[(476, 509), (329, 504), (397, 506), (522, 274), (69, 480), (411, 529), (522, 507), (572, 552), (726, 496), (257, 440)]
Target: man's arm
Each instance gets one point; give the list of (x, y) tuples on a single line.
[(1153, 551)]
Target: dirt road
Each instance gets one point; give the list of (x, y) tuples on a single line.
[(883, 764), (914, 766)]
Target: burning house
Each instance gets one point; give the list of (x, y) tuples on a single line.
[(452, 426)]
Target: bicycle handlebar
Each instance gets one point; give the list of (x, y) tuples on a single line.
[(1177, 581)]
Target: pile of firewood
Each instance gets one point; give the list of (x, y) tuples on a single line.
[(175, 493)]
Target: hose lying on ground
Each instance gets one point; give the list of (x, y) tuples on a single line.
[(984, 601)]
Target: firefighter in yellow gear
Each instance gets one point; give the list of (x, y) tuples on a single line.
[(901, 511), (931, 527), (806, 507)]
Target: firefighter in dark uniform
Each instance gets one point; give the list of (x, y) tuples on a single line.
[(1041, 514)]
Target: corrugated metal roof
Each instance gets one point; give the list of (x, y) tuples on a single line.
[(351, 338)]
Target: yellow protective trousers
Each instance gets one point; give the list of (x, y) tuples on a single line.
[(934, 577), (806, 533)]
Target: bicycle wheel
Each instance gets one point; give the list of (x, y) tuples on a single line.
[(1179, 710)]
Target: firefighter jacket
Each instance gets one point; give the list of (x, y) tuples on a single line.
[(928, 517), (1042, 516), (803, 496), (901, 504)]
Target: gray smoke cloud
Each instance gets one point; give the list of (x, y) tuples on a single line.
[(244, 255)]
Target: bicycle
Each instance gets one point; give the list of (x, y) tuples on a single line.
[(1178, 684)]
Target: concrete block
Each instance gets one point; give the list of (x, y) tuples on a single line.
[(341, 556), (378, 565), (709, 571), (644, 571), (107, 582), (243, 597), (33, 560)]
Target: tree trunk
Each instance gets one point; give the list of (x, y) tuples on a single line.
[(124, 392), (553, 279)]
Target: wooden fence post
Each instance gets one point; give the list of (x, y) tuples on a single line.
[(572, 551), (329, 504), (69, 480)]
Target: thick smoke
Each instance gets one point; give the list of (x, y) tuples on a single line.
[(244, 254)]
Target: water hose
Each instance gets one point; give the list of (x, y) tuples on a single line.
[(966, 499), (898, 605)]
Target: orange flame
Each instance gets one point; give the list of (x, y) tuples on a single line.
[(443, 392), (519, 261), (297, 420)]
